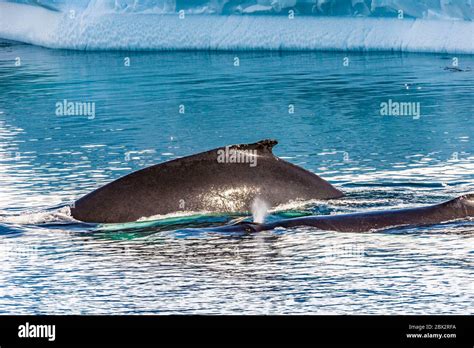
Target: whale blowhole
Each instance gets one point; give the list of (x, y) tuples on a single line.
[(259, 210)]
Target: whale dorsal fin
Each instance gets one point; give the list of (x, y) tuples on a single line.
[(262, 145)]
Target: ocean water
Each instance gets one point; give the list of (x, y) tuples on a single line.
[(324, 108)]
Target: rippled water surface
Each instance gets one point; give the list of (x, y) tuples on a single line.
[(53, 264)]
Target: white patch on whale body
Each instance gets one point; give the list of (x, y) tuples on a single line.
[(232, 199), (259, 210), (468, 199), (177, 214)]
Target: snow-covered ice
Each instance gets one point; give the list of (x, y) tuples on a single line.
[(91, 29)]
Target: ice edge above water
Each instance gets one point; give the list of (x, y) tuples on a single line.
[(39, 26)]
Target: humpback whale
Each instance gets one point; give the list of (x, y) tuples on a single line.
[(226, 179), (230, 179), (459, 208)]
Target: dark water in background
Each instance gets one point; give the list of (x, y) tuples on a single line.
[(51, 264)]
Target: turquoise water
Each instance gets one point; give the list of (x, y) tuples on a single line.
[(53, 264)]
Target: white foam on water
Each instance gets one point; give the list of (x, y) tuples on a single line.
[(40, 217), (92, 29)]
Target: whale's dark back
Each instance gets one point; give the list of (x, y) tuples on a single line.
[(203, 182), (459, 208)]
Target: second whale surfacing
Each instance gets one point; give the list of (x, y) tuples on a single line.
[(226, 179), (456, 209)]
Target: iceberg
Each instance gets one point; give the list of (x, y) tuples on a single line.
[(427, 9), (227, 25)]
